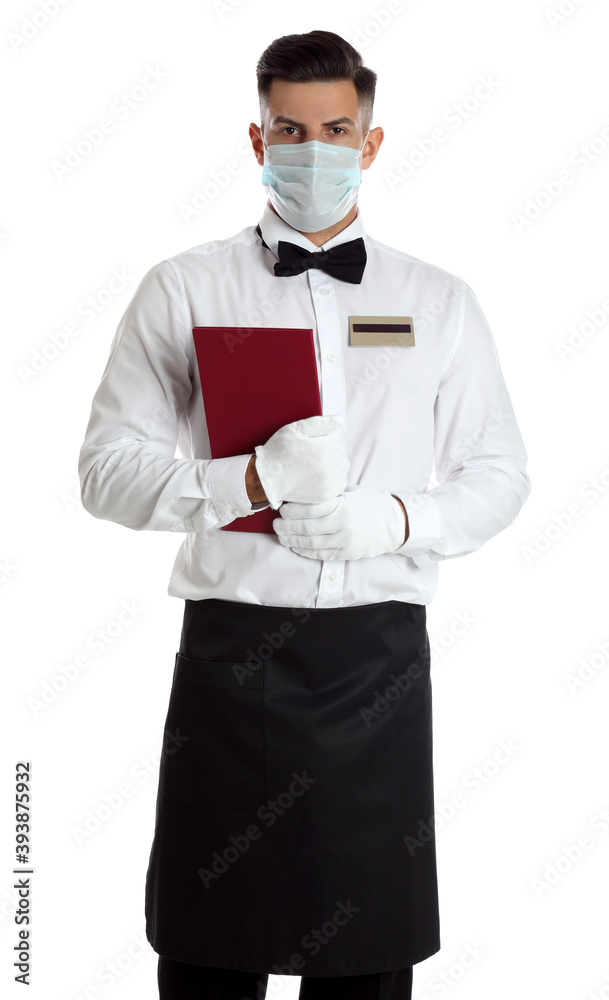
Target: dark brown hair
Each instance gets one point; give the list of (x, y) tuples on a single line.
[(317, 55)]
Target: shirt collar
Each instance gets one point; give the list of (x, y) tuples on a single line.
[(275, 229)]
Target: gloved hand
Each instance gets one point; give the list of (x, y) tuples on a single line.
[(361, 523), (304, 461)]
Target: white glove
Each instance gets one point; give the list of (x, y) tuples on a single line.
[(304, 461), (357, 525)]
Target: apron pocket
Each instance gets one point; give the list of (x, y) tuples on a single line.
[(212, 753)]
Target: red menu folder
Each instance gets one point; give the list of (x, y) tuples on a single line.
[(254, 380)]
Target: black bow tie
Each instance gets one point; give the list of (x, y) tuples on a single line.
[(346, 261)]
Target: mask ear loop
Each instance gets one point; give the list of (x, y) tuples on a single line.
[(362, 147)]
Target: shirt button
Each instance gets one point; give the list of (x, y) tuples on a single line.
[(236, 512), (189, 525), (332, 577), (331, 357), (323, 291)]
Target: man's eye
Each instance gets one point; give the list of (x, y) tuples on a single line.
[(337, 128), (288, 127)]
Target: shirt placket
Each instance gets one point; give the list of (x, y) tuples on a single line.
[(334, 400)]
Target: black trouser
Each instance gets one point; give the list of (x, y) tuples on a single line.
[(183, 981)]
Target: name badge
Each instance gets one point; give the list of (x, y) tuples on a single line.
[(381, 331)]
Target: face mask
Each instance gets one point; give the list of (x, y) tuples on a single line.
[(312, 185)]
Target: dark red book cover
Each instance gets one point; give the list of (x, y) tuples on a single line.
[(254, 380)]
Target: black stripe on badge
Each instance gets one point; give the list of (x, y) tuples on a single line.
[(381, 331), (382, 328)]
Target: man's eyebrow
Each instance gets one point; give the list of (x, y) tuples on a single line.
[(337, 121)]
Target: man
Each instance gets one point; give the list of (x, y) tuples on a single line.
[(294, 829)]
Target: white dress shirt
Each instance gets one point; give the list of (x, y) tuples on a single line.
[(432, 424)]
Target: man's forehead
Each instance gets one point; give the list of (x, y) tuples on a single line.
[(314, 101)]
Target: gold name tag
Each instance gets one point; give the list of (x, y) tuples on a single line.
[(381, 331)]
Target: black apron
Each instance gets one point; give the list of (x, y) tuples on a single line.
[(294, 828)]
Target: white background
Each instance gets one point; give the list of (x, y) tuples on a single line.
[(535, 596)]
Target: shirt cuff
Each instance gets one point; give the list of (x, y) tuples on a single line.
[(228, 493), (425, 528)]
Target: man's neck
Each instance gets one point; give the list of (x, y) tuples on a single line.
[(327, 234)]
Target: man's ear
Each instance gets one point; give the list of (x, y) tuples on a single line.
[(372, 147), (257, 144)]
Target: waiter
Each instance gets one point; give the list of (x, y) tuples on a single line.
[(294, 830)]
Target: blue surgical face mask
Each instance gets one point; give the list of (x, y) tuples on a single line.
[(312, 185)]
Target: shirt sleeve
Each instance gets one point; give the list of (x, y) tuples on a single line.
[(480, 458), (127, 467)]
